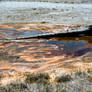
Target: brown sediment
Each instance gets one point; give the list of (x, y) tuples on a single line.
[(36, 30), (36, 56), (49, 56), (47, 27), (5, 26)]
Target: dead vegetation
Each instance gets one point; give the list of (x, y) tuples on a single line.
[(79, 81)]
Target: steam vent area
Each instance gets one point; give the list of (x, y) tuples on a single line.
[(46, 46)]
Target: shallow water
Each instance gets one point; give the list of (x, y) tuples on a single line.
[(10, 33), (51, 47), (43, 50), (22, 34), (37, 12)]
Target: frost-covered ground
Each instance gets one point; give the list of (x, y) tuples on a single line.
[(45, 12)]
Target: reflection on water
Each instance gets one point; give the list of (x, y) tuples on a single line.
[(75, 45), (23, 34), (13, 33), (76, 48), (41, 50), (46, 50)]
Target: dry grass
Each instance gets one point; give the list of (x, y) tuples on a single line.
[(41, 83)]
